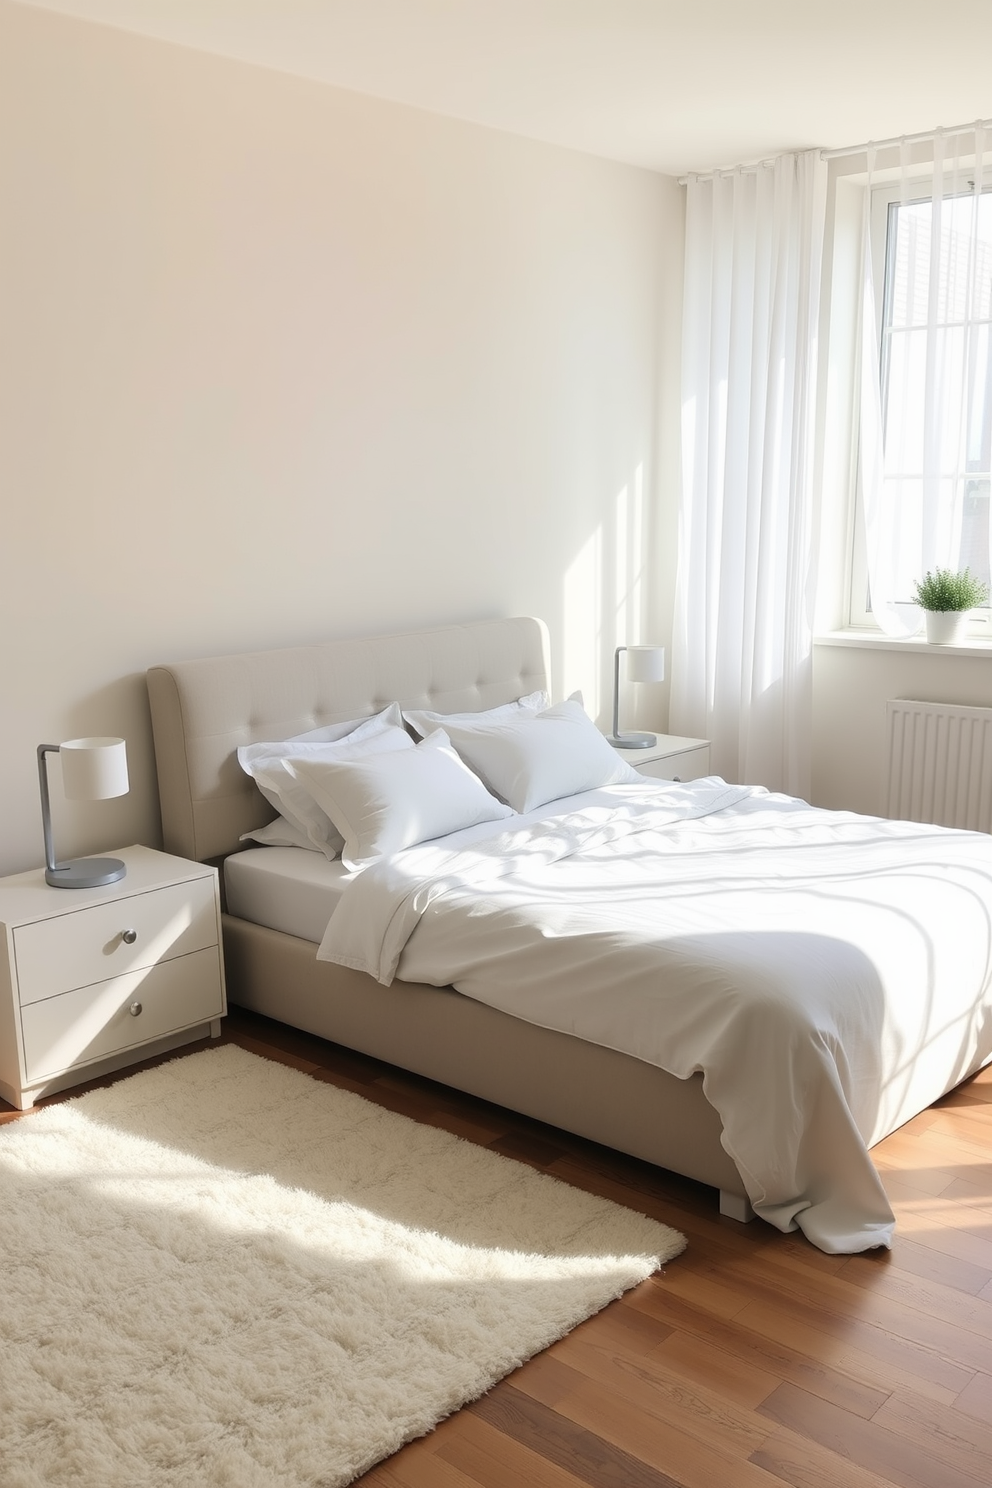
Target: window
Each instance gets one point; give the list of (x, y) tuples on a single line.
[(932, 255)]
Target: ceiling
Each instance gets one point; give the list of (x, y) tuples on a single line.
[(683, 86)]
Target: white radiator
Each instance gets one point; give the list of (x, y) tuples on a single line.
[(940, 764)]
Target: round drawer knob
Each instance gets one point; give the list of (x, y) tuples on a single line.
[(134, 1009), (129, 936)]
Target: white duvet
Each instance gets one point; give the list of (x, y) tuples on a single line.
[(828, 973)]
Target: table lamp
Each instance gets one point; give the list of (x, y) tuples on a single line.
[(644, 664), (92, 770)]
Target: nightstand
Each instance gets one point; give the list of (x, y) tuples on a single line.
[(95, 979), (671, 758)]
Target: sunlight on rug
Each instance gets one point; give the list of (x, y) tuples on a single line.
[(222, 1272)]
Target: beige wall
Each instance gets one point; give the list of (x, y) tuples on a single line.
[(283, 362)]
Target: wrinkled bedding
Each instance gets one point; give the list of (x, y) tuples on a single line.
[(829, 974)]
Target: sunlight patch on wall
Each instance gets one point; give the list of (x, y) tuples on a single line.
[(606, 589), (629, 562), (583, 605)]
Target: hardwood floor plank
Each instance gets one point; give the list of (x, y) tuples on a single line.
[(954, 1228), (661, 1392), (889, 1330), (906, 1163), (704, 1363), (573, 1170), (279, 1055), (884, 1357), (805, 1464), (727, 1245), (976, 1400), (957, 1305), (972, 1120), (670, 1450), (554, 1437), (407, 1471), (543, 1378), (528, 1148), (854, 1391), (710, 1292), (875, 1447), (266, 1031), (917, 1143), (917, 1258), (964, 1095), (711, 1414), (954, 1152), (492, 1459), (629, 1328), (899, 1191), (953, 1435), (626, 1327), (463, 1126), (342, 1081), (978, 1195)]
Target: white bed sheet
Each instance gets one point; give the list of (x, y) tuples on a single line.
[(828, 973), (285, 888)]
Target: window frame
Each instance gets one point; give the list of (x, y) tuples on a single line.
[(882, 198)]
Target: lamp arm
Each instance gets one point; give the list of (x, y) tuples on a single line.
[(616, 691), (46, 805)]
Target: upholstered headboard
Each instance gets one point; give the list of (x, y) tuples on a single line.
[(203, 710)]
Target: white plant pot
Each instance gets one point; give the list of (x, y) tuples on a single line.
[(947, 627)]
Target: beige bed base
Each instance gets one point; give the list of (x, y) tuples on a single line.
[(203, 709)]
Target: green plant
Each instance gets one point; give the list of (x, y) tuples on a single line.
[(946, 590)]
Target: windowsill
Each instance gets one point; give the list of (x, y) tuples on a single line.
[(873, 640)]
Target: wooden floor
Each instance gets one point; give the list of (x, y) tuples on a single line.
[(753, 1359)]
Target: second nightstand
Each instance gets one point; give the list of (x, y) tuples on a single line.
[(93, 979), (671, 758)]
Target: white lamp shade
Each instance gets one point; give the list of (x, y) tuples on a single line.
[(94, 769), (645, 663)]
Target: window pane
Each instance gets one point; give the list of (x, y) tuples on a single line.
[(906, 385), (979, 452), (909, 291), (963, 289), (933, 508), (974, 550), (937, 387)]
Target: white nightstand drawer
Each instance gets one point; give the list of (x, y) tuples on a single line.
[(86, 945), (88, 1024), (690, 764)]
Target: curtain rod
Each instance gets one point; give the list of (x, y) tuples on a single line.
[(885, 144), (905, 139)]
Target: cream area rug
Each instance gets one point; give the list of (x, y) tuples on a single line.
[(222, 1272)]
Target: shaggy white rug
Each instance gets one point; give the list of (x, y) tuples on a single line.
[(222, 1272)]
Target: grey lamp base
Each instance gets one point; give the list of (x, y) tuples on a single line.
[(85, 873), (632, 741)]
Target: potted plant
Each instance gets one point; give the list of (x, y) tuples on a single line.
[(947, 597)]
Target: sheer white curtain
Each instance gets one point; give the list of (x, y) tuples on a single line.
[(926, 369), (741, 666)]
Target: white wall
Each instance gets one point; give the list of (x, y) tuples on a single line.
[(851, 686), (282, 362)]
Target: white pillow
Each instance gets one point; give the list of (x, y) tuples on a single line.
[(425, 723), (393, 801), (303, 821), (280, 833), (541, 757)]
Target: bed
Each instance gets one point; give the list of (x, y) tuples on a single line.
[(570, 1068)]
